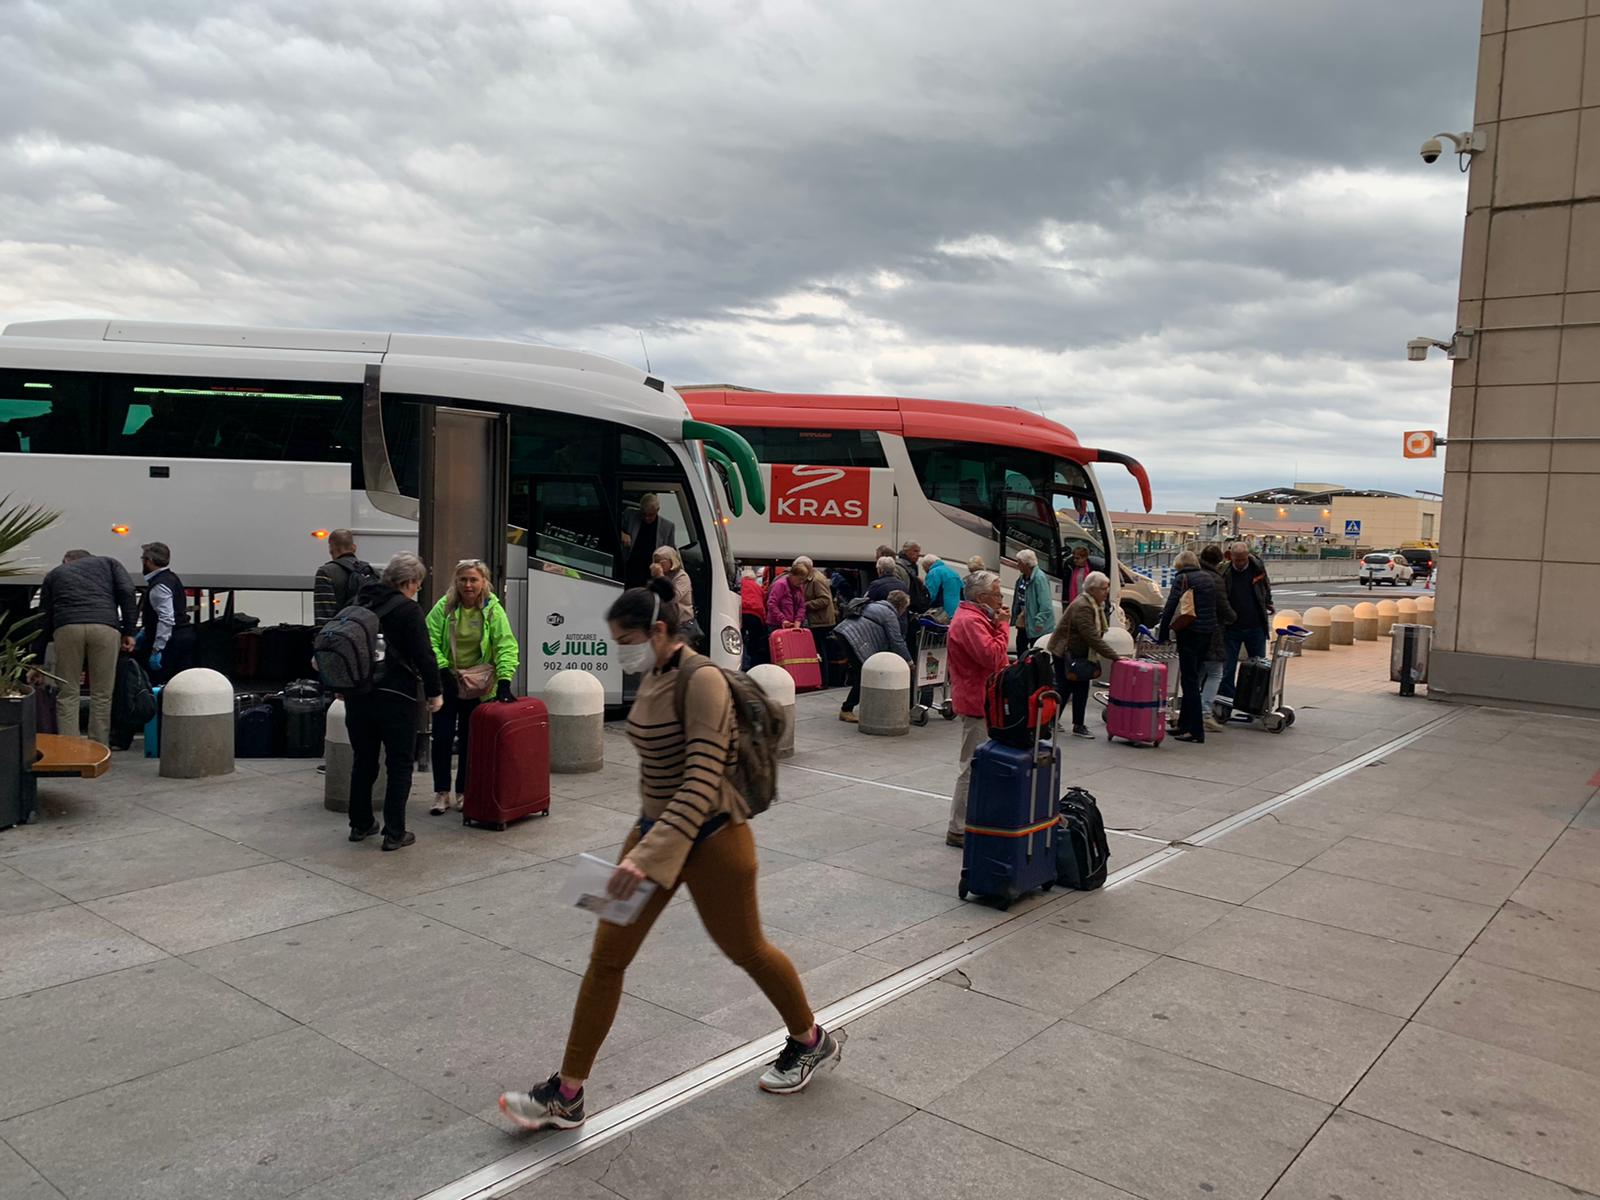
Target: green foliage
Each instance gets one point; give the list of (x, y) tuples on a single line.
[(18, 523)]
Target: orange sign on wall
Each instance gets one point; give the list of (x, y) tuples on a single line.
[(1419, 443)]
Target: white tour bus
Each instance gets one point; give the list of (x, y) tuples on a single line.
[(241, 448), (846, 474)]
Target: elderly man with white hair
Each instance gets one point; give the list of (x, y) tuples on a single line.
[(1032, 610), (644, 531), (976, 650)]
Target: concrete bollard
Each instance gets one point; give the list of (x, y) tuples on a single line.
[(576, 702), (885, 696), (1320, 622), (1284, 618), (1388, 614), (1366, 616), (338, 764), (778, 684), (197, 725), (1408, 612), (1344, 625), (1425, 610)]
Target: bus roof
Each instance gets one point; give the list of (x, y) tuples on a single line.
[(987, 424)]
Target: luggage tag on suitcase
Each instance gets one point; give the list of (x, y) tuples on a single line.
[(585, 888)]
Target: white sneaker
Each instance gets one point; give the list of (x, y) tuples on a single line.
[(795, 1064)]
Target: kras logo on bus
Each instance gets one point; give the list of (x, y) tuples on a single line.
[(820, 495)]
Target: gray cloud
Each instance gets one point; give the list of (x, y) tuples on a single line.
[(1157, 220)]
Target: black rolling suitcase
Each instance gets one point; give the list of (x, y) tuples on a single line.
[(258, 727), (305, 719), (1252, 691), (285, 652)]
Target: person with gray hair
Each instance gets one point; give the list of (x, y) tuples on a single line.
[(87, 607), (385, 717), (1194, 633), (165, 642), (888, 580), (1033, 608), (644, 531), (1078, 645), (975, 651)]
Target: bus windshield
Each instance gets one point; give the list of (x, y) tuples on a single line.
[(978, 478)]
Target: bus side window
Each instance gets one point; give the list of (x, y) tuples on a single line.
[(573, 526), (47, 413)]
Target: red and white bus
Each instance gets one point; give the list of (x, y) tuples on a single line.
[(846, 474)]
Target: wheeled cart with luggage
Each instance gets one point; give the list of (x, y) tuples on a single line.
[(930, 676), (1009, 847), (1258, 686)]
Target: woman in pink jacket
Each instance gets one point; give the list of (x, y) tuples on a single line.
[(786, 602), (977, 649)]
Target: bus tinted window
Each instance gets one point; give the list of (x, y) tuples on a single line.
[(47, 413), (817, 447), (233, 419)]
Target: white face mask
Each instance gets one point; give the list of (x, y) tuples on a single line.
[(636, 660)]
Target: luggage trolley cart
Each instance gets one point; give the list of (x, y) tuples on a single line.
[(930, 676), (1145, 646), (1275, 716)]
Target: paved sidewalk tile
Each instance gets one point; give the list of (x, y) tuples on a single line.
[(1143, 915), (1149, 1122), (19, 894), (19, 1181), (1549, 927), (1534, 1115), (1576, 855), (1391, 977), (1232, 878), (1291, 1039), (1398, 914), (1053, 969), (931, 1159), (52, 946), (932, 1041), (261, 1120), (440, 863), (94, 869), (1466, 840), (1515, 1011), (433, 1160), (1470, 879), (79, 1037), (194, 914), (1271, 839), (847, 909), (1358, 1159)]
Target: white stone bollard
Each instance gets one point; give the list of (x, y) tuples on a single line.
[(1284, 618), (1320, 622), (1407, 609), (885, 696), (1366, 622), (197, 725), (339, 761), (1344, 625), (1121, 641), (1388, 614), (576, 702), (778, 684), (1425, 610)]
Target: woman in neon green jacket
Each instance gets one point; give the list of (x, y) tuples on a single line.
[(477, 655)]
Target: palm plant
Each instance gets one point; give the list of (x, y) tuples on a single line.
[(18, 523)]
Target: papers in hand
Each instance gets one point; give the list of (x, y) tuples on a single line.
[(586, 889)]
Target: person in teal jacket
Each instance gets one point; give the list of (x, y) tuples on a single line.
[(1034, 611), (944, 585), (477, 655)]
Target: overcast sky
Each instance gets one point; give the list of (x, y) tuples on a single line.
[(1199, 233)]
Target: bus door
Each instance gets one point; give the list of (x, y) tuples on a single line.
[(464, 504), (1025, 520)]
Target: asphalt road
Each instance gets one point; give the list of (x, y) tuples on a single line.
[(1312, 595)]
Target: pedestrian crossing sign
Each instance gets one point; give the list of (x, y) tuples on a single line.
[(1352, 529)]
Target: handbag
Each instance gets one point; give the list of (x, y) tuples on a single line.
[(1185, 614), (473, 683), (1080, 669)]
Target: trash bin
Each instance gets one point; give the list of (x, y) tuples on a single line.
[(1408, 656)]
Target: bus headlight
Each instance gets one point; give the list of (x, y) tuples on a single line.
[(731, 641)]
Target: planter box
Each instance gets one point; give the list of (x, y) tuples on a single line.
[(18, 787)]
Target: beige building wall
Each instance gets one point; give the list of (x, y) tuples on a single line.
[(1385, 524), (1519, 573)]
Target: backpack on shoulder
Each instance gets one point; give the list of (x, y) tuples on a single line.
[(1081, 849), (1021, 702), (348, 650), (355, 575), (757, 730), (853, 609)]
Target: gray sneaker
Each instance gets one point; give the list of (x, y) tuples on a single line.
[(795, 1064), (543, 1107)]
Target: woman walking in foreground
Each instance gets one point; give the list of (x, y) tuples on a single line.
[(692, 831)]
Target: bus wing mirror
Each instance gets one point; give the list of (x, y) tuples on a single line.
[(738, 451), (730, 479), (1135, 468)]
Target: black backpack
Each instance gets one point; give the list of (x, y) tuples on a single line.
[(1021, 701), (355, 574), (921, 598), (133, 702), (853, 609), (1081, 849)]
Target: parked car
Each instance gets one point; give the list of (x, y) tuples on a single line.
[(1142, 601), (1421, 560), (1385, 566)]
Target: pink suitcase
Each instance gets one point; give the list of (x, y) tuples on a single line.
[(1137, 710), (795, 650)]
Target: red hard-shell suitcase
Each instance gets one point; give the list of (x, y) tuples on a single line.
[(508, 763), (1137, 710), (795, 650)]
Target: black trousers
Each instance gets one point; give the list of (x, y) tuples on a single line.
[(452, 721), (388, 722), (754, 630), (1192, 649), (1077, 692), (852, 680)]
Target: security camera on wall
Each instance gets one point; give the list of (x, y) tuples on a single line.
[(1464, 145), (1431, 149), (1417, 348)]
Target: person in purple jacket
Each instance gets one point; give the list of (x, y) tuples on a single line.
[(786, 602)]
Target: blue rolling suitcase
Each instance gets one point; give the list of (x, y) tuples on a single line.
[(1012, 820), (152, 729)]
